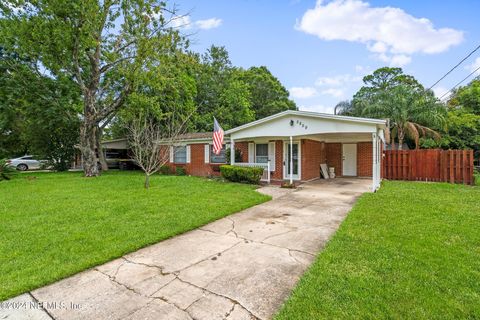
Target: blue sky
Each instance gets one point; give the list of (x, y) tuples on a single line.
[(320, 50)]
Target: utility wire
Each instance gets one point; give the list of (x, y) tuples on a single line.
[(446, 74), (459, 83)]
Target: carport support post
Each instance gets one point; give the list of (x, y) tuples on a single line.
[(291, 160), (232, 151), (374, 162)]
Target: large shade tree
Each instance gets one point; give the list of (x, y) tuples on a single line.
[(103, 46)]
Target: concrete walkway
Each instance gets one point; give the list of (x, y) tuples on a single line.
[(239, 267)]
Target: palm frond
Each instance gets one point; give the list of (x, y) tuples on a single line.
[(412, 132)]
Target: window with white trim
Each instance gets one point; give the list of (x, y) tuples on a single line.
[(261, 153), (180, 154), (220, 158)]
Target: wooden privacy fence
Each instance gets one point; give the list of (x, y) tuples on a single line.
[(454, 166)]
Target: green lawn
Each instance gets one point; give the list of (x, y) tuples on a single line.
[(409, 251), (55, 225)]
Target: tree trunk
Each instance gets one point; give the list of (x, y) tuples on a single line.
[(87, 147), (401, 136), (100, 151), (147, 181)]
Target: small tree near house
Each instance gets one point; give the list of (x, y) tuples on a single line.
[(150, 142), (143, 137)]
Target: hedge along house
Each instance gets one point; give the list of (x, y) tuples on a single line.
[(290, 146)]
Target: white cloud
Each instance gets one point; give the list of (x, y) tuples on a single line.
[(181, 22), (337, 93), (317, 108), (390, 33), (303, 92), (363, 70), (338, 80), (209, 23), (185, 22), (474, 66), (439, 91)]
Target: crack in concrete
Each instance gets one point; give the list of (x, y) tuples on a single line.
[(205, 259), (175, 306), (232, 230), (143, 295), (41, 306), (219, 295), (294, 258), (280, 234), (229, 311), (160, 268)]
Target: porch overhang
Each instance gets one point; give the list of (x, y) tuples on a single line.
[(300, 123), (291, 126)]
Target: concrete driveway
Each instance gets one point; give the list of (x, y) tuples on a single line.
[(240, 267)]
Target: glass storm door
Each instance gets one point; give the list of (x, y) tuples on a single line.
[(294, 150)]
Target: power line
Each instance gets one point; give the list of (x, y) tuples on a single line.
[(446, 74), (459, 83)]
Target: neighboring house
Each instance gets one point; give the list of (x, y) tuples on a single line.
[(292, 144)]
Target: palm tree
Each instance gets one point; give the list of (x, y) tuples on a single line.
[(411, 113)]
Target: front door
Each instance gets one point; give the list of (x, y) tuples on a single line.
[(349, 164), (288, 149)]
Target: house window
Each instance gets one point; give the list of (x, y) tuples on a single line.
[(220, 158), (261, 153), (180, 154)]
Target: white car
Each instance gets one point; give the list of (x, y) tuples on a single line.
[(25, 163)]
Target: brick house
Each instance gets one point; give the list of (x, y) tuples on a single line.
[(291, 145)]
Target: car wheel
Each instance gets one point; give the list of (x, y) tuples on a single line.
[(22, 167)]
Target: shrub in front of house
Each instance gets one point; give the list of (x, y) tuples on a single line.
[(165, 170), (242, 174), (6, 172), (180, 171)]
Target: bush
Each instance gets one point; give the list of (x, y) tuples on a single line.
[(180, 171), (6, 172), (476, 177), (242, 174), (165, 170)]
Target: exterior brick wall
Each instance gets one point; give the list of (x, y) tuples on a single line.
[(364, 159), (243, 147), (313, 154), (197, 165), (334, 157), (278, 173)]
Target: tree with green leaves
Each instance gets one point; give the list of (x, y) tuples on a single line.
[(221, 93), (38, 114), (267, 94), (467, 97), (103, 46), (380, 81), (411, 113)]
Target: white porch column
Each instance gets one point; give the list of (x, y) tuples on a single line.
[(374, 162), (232, 151), (291, 160)]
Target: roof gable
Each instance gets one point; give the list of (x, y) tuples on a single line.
[(298, 123)]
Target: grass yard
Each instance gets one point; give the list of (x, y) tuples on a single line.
[(58, 224), (409, 251)]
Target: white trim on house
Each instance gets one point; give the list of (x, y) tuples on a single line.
[(286, 174), (306, 114), (206, 155)]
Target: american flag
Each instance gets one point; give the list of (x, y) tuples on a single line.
[(217, 137)]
